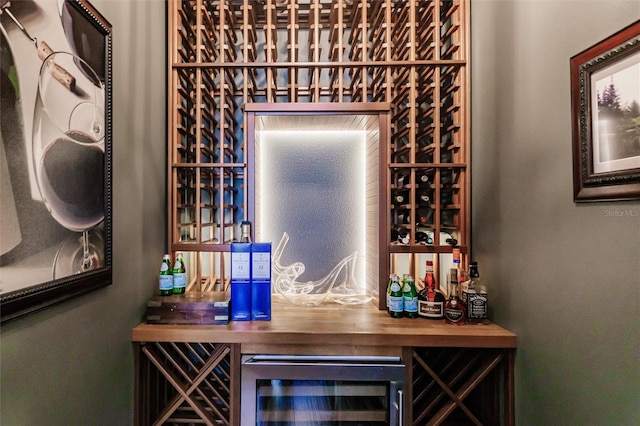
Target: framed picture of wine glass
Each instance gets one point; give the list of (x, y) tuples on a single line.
[(605, 101), (55, 153)]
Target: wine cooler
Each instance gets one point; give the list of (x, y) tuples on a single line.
[(321, 390)]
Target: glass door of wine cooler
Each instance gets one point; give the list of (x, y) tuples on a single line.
[(302, 390)]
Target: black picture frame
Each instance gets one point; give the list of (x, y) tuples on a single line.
[(606, 145), (72, 26)]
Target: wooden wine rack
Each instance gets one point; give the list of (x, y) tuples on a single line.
[(223, 54), (186, 383)]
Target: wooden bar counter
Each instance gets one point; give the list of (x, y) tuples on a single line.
[(333, 325), (471, 365)]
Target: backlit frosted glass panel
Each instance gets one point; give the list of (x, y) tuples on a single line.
[(311, 185)]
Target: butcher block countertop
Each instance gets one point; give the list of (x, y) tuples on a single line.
[(333, 325)]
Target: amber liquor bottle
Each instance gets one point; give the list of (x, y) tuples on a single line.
[(454, 309), (431, 301)]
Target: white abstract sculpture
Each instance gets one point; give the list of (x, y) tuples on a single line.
[(338, 286)]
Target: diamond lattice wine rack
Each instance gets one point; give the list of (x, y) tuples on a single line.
[(411, 54)]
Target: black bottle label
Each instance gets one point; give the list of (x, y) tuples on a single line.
[(454, 315), (431, 310), (477, 306)]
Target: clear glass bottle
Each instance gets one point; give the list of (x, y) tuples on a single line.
[(431, 301), (165, 281), (460, 272), (179, 275), (245, 231)]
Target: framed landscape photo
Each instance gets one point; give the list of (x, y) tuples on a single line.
[(605, 104), (55, 153)]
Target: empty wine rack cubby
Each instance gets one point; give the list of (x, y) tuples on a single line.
[(411, 54)]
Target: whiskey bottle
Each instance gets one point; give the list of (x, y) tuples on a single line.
[(468, 286), (454, 310), (431, 301), (476, 297)]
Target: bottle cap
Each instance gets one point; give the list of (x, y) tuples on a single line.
[(456, 255)]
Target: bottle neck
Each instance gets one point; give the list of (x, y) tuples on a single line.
[(453, 282), (429, 280), (453, 291), (245, 232)]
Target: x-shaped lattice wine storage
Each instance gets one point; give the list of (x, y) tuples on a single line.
[(459, 386), (199, 383), (185, 383)]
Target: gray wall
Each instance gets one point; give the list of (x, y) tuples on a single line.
[(564, 277), (73, 364)]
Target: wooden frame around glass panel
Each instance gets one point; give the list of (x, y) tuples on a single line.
[(58, 186), (605, 96)]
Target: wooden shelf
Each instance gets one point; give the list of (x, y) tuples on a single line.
[(227, 54)]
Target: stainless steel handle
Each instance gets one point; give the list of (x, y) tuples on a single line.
[(400, 407), (320, 359)]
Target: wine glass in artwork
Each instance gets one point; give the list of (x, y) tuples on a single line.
[(69, 157)]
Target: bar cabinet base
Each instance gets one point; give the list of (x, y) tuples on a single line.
[(454, 375)]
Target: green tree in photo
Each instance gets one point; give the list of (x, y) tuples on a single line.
[(620, 137)]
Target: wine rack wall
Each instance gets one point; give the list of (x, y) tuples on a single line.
[(412, 54)]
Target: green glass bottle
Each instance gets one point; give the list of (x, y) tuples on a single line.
[(389, 291), (410, 297), (179, 275), (395, 298), (165, 282)]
